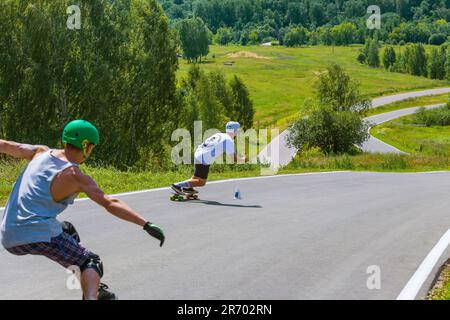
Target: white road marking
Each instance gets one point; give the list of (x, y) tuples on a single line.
[(414, 285)]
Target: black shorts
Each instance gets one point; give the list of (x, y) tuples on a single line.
[(201, 171)]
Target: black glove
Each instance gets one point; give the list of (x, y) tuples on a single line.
[(155, 232)]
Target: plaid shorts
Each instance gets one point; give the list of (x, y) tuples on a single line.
[(62, 249)]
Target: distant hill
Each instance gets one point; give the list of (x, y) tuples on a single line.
[(251, 21)]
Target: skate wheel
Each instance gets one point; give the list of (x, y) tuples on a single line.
[(176, 198)]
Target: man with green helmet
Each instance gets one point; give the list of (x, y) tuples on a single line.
[(46, 187)]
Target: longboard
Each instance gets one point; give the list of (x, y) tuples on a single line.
[(182, 198)]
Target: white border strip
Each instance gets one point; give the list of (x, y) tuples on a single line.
[(414, 285), (262, 177)]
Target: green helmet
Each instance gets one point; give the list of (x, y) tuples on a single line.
[(80, 134)]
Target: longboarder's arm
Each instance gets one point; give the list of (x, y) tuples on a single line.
[(21, 150), (116, 207)]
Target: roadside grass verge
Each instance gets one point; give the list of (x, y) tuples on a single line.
[(407, 135), (368, 162), (441, 290), (410, 103)]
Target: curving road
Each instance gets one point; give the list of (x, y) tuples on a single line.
[(376, 145), (310, 236), (277, 153)]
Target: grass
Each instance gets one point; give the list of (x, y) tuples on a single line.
[(410, 103), (281, 80), (441, 290), (367, 162), (407, 135)]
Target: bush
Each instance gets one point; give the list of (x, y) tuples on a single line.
[(437, 39), (434, 117), (361, 58), (332, 131)]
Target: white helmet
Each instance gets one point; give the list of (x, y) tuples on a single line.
[(232, 127)]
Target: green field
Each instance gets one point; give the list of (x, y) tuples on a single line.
[(280, 79), (405, 134)]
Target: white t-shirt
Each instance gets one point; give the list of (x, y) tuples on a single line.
[(214, 147)]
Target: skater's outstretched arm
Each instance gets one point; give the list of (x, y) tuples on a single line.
[(114, 206), (21, 150)]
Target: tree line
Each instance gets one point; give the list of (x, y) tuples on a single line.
[(412, 59), (338, 22)]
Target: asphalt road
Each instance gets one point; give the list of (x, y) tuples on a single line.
[(290, 237)]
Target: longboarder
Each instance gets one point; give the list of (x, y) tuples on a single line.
[(46, 187), (205, 154)]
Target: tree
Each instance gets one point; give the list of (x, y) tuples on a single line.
[(436, 65), (253, 37), (416, 60), (117, 71), (337, 90), (325, 35), (221, 90), (242, 109), (223, 36), (336, 125), (389, 58), (296, 37), (209, 98), (317, 14), (191, 112), (194, 37), (211, 111), (373, 57), (344, 34), (296, 13), (447, 65)]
